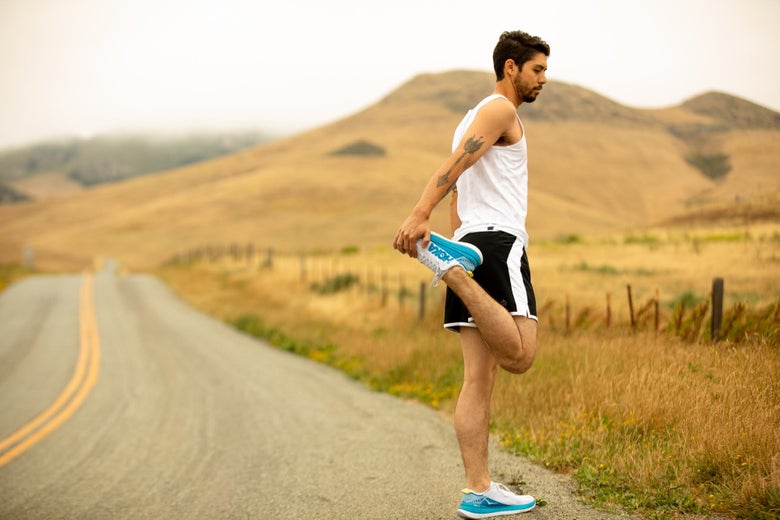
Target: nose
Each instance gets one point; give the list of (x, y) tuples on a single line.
[(543, 79)]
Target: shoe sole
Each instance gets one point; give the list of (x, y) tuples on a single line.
[(461, 249), (490, 514)]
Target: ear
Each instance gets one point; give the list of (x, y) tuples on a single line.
[(510, 67)]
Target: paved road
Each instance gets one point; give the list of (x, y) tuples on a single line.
[(189, 419)]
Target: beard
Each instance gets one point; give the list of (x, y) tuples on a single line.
[(526, 93), (530, 98)]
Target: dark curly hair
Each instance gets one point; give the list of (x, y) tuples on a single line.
[(519, 47)]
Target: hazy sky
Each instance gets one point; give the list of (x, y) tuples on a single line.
[(89, 66)]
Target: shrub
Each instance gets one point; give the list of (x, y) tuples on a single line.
[(361, 148), (713, 166), (340, 282)]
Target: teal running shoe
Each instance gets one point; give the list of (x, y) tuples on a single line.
[(496, 501), (443, 254)]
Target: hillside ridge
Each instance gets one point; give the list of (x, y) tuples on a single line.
[(596, 166), (733, 111), (109, 158), (460, 90)]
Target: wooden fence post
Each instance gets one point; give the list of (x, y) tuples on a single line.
[(28, 258), (401, 291), (655, 305), (421, 314), (631, 307), (679, 320), (568, 314), (609, 311), (717, 309), (384, 288)]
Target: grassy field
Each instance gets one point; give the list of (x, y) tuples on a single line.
[(659, 422), (596, 166), (9, 273)]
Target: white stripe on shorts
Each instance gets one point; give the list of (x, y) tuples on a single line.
[(519, 291)]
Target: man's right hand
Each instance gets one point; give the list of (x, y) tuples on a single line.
[(413, 229)]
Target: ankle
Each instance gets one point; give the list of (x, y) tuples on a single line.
[(454, 274), (479, 486)]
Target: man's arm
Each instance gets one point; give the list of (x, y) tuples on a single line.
[(492, 121)]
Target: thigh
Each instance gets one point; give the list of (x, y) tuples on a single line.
[(527, 328)]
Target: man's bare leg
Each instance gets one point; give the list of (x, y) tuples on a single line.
[(472, 412), (511, 340)]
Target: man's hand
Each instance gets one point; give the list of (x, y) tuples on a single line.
[(413, 229)]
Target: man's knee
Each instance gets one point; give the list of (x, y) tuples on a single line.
[(522, 358), (518, 364), (483, 376)]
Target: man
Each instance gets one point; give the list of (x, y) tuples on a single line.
[(495, 311)]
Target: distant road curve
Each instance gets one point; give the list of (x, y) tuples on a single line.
[(186, 418)]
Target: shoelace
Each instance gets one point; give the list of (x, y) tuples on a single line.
[(504, 490)]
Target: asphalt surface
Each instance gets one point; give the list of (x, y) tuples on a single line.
[(190, 419)]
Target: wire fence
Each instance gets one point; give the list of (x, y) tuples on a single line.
[(694, 319)]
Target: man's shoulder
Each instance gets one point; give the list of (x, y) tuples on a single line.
[(494, 100), (496, 107)]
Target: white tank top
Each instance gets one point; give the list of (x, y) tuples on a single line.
[(493, 193)]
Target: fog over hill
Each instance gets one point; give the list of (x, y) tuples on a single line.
[(595, 166), (54, 167)]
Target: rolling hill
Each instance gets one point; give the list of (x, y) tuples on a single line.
[(51, 168), (596, 166)]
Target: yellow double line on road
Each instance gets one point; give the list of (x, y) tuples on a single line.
[(70, 399)]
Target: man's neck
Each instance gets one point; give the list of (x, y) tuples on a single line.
[(507, 89)]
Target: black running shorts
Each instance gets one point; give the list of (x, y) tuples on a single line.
[(504, 274)]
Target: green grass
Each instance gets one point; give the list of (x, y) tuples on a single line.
[(338, 283), (609, 270), (9, 273), (645, 238)]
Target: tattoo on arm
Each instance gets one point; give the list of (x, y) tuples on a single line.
[(473, 144)]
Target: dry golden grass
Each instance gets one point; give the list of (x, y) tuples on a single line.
[(755, 156), (651, 423), (672, 261), (631, 175), (644, 420), (46, 185), (595, 167)]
